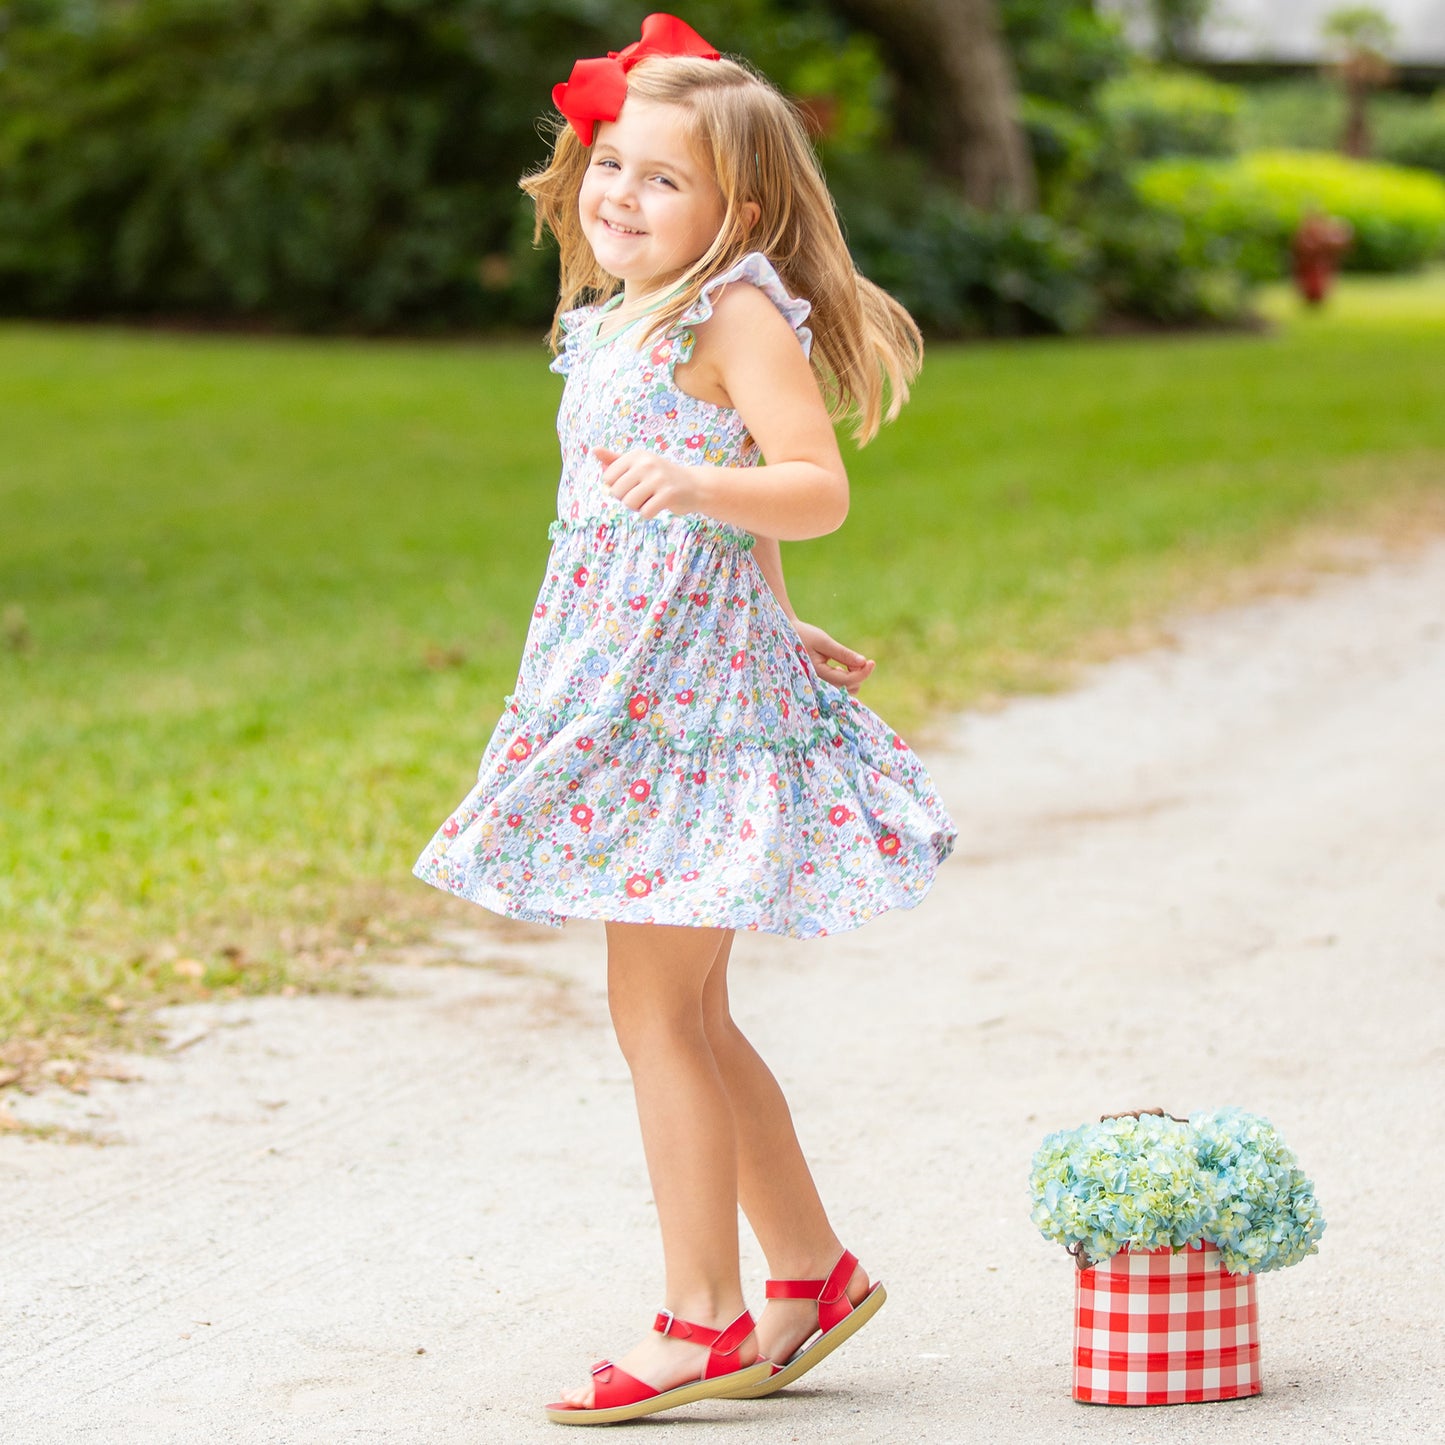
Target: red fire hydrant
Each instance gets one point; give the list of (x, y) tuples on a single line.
[(1316, 249)]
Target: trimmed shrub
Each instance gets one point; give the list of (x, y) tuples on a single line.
[(1406, 130), (1298, 114), (1414, 136), (1257, 201), (1151, 113), (1154, 266), (1069, 153), (962, 272)]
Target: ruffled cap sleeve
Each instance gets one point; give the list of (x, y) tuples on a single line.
[(575, 325), (757, 270)]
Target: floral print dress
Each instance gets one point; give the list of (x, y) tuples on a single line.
[(669, 754)]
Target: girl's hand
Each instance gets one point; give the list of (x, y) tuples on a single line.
[(647, 483), (832, 661)]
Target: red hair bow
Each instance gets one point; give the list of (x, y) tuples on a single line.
[(597, 87)]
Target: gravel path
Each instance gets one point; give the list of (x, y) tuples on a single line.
[(1212, 874)]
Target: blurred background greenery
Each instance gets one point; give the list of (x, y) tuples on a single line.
[(261, 595), (352, 164)]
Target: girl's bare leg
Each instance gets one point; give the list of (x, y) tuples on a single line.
[(775, 1186), (656, 976)]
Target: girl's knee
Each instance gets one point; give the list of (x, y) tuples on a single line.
[(716, 1011), (658, 987), (647, 1026), (723, 1034)]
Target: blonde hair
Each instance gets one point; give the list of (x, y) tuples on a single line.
[(866, 347)]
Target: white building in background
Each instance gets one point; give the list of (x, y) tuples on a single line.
[(1288, 31)]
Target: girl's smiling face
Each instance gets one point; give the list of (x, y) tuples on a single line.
[(649, 204)]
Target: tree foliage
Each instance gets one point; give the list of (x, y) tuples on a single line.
[(307, 160), (1063, 50), (353, 163), (957, 96)]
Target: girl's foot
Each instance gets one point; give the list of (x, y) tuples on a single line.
[(785, 1324), (665, 1361)]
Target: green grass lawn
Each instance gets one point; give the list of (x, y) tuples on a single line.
[(261, 598)]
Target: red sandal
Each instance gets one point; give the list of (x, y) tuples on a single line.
[(616, 1395), (838, 1319)]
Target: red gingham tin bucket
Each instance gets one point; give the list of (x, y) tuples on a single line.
[(1159, 1328)]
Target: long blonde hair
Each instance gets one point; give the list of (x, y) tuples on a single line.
[(866, 347)]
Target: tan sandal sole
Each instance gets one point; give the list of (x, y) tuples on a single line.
[(819, 1350), (668, 1400)]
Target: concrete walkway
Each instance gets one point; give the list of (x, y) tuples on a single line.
[(1213, 874)]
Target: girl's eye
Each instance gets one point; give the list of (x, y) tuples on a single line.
[(663, 180)]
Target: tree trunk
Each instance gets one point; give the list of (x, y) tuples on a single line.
[(958, 98), (1356, 139)]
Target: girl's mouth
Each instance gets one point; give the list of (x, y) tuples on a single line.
[(619, 229)]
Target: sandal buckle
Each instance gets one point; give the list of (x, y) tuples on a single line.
[(671, 1320)]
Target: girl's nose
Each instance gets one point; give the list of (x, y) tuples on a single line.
[(619, 189)]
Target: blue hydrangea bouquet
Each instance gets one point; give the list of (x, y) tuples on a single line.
[(1148, 1181)]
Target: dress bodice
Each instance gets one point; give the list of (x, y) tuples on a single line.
[(622, 396)]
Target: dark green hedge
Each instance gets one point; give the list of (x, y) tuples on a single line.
[(305, 160), (313, 162), (353, 163), (1257, 201)]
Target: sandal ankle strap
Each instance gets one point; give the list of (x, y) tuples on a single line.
[(721, 1342), (826, 1291)]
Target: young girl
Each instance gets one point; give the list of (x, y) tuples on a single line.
[(682, 757)]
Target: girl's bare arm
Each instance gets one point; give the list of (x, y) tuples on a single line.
[(748, 358), (832, 661)]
